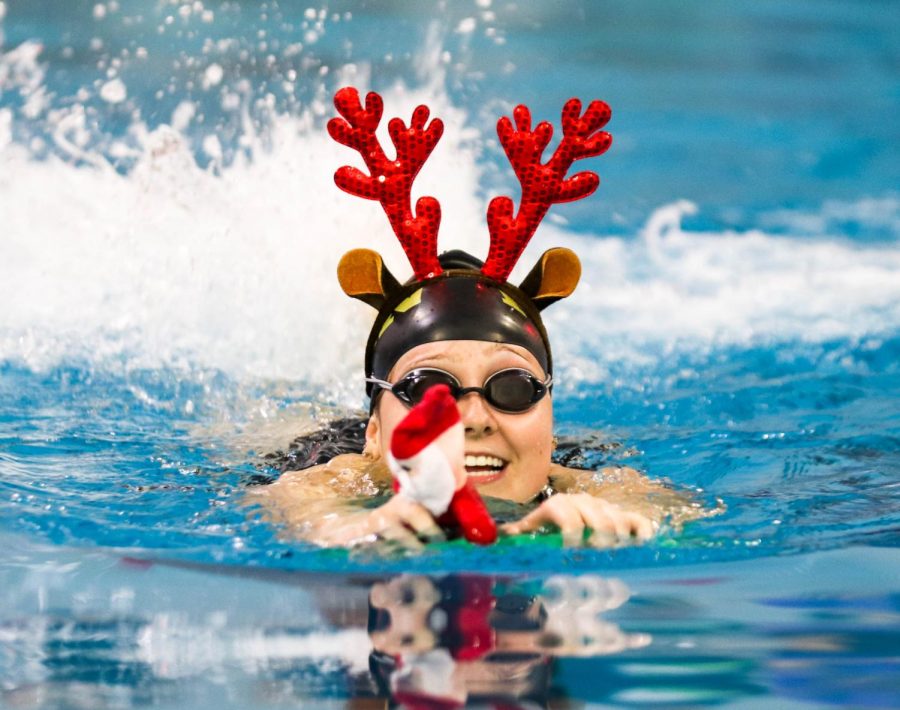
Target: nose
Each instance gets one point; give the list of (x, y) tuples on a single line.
[(477, 417)]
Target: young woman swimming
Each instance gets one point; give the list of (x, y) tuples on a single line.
[(459, 322)]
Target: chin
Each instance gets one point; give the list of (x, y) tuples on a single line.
[(504, 490)]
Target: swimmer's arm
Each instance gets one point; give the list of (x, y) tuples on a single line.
[(631, 490), (345, 476), (326, 505), (610, 506), (624, 487), (302, 500)]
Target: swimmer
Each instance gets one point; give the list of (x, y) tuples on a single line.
[(461, 323)]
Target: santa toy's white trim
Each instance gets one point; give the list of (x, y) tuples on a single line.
[(428, 477)]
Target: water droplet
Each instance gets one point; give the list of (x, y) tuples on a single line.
[(113, 91), (213, 75), (466, 25)]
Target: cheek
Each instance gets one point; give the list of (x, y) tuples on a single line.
[(534, 435)]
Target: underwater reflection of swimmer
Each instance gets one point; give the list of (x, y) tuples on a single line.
[(447, 642)]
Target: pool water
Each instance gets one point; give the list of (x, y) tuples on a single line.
[(169, 235)]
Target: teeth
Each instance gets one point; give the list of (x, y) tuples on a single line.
[(484, 461)]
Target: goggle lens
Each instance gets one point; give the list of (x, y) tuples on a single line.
[(511, 391), (417, 383)]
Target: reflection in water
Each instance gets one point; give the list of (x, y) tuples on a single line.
[(416, 641), (83, 631), (452, 640)]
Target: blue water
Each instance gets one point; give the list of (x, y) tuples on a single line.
[(169, 316)]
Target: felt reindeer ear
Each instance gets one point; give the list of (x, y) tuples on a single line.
[(363, 275), (555, 276)]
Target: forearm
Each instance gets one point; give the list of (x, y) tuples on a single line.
[(633, 491), (305, 501), (343, 503), (304, 517)]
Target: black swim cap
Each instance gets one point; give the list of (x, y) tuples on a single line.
[(460, 304)]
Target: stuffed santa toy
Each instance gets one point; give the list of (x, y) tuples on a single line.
[(427, 460)]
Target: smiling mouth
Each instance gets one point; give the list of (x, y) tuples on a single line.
[(484, 469)]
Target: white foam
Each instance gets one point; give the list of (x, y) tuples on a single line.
[(735, 287), (233, 268), (673, 290), (173, 264)]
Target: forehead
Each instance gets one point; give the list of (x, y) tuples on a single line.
[(458, 353)]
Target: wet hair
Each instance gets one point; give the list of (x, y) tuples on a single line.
[(340, 436)]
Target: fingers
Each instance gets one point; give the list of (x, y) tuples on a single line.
[(400, 522), (574, 514), (401, 537), (403, 523), (537, 518), (561, 511), (414, 517), (641, 526)]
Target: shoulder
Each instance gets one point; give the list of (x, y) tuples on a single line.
[(617, 484), (579, 479), (345, 476), (632, 490)]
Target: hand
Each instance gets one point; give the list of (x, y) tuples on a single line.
[(573, 513), (399, 521)]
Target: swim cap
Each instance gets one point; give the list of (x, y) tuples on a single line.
[(456, 296), (460, 304)]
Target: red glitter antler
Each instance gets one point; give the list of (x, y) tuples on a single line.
[(542, 185), (390, 181)]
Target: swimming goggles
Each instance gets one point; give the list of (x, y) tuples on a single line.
[(512, 391)]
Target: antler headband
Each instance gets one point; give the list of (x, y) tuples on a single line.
[(390, 181), (462, 303)]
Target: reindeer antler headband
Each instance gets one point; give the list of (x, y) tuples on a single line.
[(459, 300)]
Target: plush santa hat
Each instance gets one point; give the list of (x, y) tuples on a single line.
[(434, 415)]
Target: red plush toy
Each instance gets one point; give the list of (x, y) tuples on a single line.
[(427, 459)]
